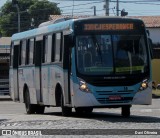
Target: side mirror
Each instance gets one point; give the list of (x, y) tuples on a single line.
[(150, 47), (148, 33)]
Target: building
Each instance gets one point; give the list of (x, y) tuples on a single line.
[(4, 64), (153, 25)]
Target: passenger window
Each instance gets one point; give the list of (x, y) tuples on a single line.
[(15, 54), (43, 44), (58, 47), (23, 52), (48, 49), (11, 55), (46, 52), (39, 51), (31, 51), (20, 54), (27, 52), (53, 48)]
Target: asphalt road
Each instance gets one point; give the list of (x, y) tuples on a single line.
[(13, 116)]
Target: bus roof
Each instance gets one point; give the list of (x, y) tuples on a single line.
[(43, 30), (61, 26)]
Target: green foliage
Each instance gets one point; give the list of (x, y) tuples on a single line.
[(39, 10)]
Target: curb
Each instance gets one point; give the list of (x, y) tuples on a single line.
[(5, 98)]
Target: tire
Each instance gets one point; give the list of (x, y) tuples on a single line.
[(66, 111), (39, 109), (82, 110), (30, 108), (126, 111), (79, 110), (88, 110)]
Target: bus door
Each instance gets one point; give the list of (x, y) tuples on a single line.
[(14, 90), (38, 50), (67, 67)]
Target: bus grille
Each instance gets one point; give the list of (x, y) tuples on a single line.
[(103, 96), (107, 101)]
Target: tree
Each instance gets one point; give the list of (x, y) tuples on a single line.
[(30, 10)]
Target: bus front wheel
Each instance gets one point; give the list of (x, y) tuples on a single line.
[(66, 111), (30, 108), (126, 111), (81, 110)]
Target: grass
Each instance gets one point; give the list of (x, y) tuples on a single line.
[(156, 93)]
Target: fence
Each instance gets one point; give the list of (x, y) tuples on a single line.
[(4, 73)]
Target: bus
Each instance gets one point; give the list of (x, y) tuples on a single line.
[(85, 63)]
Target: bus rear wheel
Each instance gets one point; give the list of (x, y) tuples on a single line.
[(30, 108), (126, 111), (39, 109)]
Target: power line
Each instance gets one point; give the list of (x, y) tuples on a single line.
[(136, 1), (140, 2), (81, 4)]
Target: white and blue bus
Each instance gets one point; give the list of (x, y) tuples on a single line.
[(99, 62)]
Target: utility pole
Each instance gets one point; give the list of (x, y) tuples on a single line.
[(107, 7), (19, 21), (117, 7), (94, 8), (15, 3), (32, 23)]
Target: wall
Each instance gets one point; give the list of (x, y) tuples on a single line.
[(156, 70), (154, 34)]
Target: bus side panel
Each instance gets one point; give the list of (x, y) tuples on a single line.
[(15, 81), (52, 84), (37, 84), (66, 87), (14, 72), (21, 79), (56, 77), (31, 82), (44, 85), (13, 85), (26, 77)]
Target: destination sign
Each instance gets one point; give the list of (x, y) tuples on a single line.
[(103, 27)]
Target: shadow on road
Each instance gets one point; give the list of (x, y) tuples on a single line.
[(2, 121), (112, 117)]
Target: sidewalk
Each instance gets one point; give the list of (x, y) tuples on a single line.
[(5, 98)]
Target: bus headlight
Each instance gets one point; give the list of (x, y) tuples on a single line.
[(83, 86), (144, 85)]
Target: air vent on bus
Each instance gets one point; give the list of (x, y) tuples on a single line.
[(54, 21)]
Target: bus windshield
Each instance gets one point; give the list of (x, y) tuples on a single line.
[(111, 54)]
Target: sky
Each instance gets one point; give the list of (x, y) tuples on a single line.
[(84, 7)]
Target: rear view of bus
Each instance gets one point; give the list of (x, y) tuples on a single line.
[(112, 64)]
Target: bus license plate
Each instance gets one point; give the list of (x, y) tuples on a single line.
[(115, 97)]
